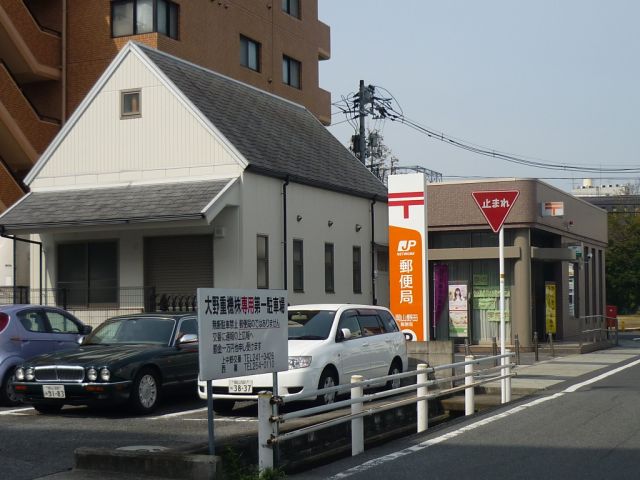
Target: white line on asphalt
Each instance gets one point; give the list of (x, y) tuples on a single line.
[(575, 387), (178, 414), (434, 441), (15, 411), (224, 419)]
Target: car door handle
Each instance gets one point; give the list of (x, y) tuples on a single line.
[(18, 339)]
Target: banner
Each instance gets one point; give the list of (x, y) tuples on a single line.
[(408, 292), (550, 304), (440, 292), (458, 310)]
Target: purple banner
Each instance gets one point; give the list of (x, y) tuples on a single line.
[(440, 291)]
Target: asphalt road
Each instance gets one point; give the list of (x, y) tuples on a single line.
[(590, 433), (34, 445)]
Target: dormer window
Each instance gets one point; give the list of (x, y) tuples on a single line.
[(130, 104), (134, 17)]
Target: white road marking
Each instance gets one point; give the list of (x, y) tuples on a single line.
[(575, 387), (178, 414), (485, 421), (224, 419), (15, 411)]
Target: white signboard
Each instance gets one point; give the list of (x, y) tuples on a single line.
[(408, 262), (242, 332)]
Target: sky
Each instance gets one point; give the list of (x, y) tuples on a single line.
[(554, 81)]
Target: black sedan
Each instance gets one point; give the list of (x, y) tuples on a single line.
[(128, 359)]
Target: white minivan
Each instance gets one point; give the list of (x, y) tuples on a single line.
[(328, 343)]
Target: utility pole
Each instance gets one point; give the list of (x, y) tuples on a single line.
[(362, 139)]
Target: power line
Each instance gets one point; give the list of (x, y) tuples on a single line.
[(389, 109)]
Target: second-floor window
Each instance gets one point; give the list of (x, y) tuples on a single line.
[(249, 53), (329, 285), (291, 71), (298, 266), (134, 17), (292, 7), (262, 259)]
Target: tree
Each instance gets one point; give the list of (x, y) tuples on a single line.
[(623, 262)]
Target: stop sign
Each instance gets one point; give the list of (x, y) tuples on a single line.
[(495, 205)]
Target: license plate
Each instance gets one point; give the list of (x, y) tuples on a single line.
[(53, 391), (240, 386)]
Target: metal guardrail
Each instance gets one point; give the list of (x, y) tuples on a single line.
[(269, 419)]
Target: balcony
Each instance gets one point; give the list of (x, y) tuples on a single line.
[(31, 51), (10, 190), (24, 134)]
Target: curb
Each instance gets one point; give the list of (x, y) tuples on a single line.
[(173, 463)]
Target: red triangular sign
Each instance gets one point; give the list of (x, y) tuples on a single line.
[(495, 205)]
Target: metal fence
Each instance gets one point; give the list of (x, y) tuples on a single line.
[(269, 419), (97, 304)]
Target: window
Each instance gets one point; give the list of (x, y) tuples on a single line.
[(263, 261), (357, 270), (329, 285), (33, 321), (249, 53), (291, 71), (298, 266), (130, 104), (349, 320), (292, 7), (61, 323), (133, 17), (88, 273)]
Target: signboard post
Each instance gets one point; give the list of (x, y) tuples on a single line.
[(241, 332), (495, 205), (408, 261)]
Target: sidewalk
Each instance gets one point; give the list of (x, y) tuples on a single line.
[(530, 377)]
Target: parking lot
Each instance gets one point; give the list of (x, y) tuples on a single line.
[(34, 445)]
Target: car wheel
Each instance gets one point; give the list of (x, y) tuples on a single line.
[(7, 393), (395, 368), (223, 406), (145, 391), (327, 379), (47, 409)]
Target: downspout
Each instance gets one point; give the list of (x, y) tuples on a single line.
[(284, 233), (32, 242), (374, 299)]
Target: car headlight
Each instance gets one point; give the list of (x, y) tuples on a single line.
[(92, 374), (19, 374), (29, 374), (299, 362), (105, 374)]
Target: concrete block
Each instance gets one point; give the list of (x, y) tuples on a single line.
[(167, 464)]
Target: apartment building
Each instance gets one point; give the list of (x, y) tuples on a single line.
[(53, 51)]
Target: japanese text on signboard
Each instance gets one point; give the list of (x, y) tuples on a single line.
[(242, 334)]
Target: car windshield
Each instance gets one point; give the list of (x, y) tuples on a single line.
[(156, 331), (310, 324)]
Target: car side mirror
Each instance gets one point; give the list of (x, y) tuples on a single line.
[(80, 339), (188, 338), (344, 334)]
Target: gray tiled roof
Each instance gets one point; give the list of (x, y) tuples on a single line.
[(127, 204), (277, 137)]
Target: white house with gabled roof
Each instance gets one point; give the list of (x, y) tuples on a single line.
[(170, 177)]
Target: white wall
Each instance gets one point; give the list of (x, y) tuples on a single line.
[(166, 142), (262, 214)]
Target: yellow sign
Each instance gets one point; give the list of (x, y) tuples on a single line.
[(550, 303)]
